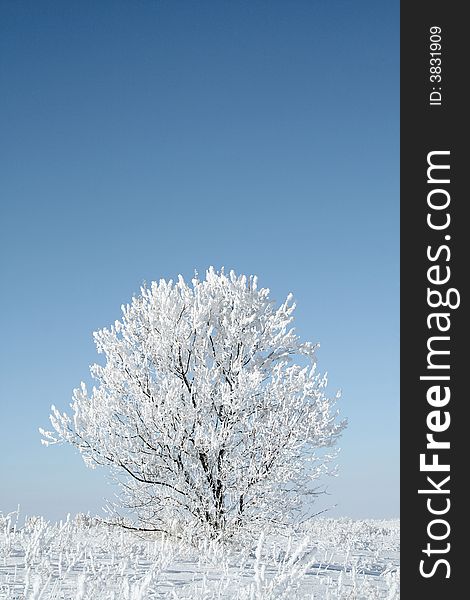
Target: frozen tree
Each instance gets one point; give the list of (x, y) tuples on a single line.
[(208, 409)]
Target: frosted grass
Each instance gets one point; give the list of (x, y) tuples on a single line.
[(83, 559)]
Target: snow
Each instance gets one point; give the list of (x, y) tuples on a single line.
[(82, 558)]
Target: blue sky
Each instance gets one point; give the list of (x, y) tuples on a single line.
[(145, 139)]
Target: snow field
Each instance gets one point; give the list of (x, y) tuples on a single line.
[(84, 559)]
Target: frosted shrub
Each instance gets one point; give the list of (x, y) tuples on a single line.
[(208, 410)]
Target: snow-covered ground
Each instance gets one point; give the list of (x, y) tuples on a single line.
[(82, 559)]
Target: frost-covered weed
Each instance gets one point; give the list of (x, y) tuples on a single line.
[(83, 559)]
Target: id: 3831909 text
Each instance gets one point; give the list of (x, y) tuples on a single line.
[(435, 65)]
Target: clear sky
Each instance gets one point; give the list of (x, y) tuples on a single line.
[(142, 139)]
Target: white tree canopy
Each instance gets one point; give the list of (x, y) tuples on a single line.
[(201, 411)]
